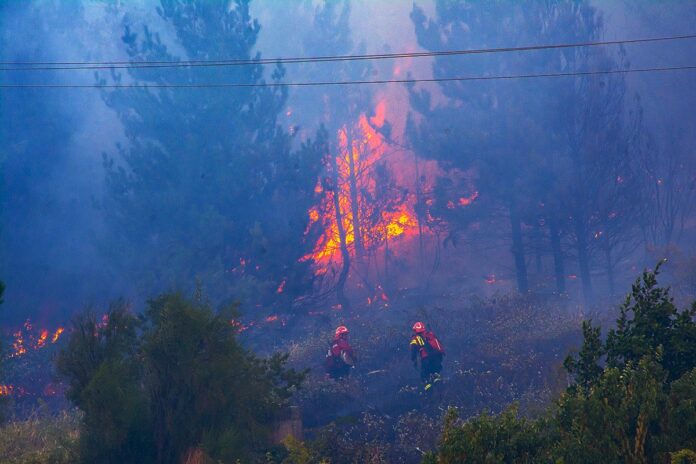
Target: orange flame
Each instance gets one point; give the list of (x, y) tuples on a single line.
[(25, 338), (368, 218), (59, 331), (466, 201), (42, 339)]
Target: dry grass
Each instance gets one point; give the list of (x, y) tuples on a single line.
[(40, 439)]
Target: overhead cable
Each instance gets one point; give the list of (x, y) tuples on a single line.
[(92, 65), (342, 83)]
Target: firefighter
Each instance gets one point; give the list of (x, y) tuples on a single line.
[(340, 358), (427, 348)]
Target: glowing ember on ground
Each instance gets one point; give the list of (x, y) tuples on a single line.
[(466, 201), (281, 287)]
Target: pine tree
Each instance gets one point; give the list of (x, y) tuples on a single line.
[(207, 186)]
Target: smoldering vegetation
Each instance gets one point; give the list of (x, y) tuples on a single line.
[(502, 211)]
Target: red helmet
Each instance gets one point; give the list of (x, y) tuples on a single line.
[(419, 327), (340, 330)]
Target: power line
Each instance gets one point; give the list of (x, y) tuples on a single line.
[(342, 83), (87, 65)]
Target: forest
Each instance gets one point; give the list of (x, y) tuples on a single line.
[(199, 199)]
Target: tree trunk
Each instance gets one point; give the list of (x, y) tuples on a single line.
[(583, 261), (419, 218), (538, 248), (355, 206), (558, 264), (386, 256), (518, 249), (345, 255)]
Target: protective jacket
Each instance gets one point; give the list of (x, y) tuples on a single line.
[(424, 345), (340, 358)]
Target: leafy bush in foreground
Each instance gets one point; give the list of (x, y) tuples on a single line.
[(170, 384), (633, 399)]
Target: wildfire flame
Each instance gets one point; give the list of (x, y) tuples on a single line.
[(42, 339), (59, 331), (25, 338), (360, 193)]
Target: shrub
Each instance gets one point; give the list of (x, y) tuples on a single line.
[(171, 383)]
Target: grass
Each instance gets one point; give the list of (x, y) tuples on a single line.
[(40, 439)]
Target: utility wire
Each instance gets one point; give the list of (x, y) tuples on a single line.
[(342, 83), (82, 65)]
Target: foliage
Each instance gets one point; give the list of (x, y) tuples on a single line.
[(493, 439), (649, 320), (684, 456), (41, 439), (555, 158), (586, 368), (638, 408), (138, 379), (208, 186), (299, 453), (612, 422)]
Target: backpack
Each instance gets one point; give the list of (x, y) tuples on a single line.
[(433, 345)]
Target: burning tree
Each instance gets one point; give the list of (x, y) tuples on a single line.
[(362, 207)]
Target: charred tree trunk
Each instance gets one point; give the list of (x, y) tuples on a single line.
[(419, 218), (386, 256), (345, 254), (518, 249), (355, 206), (558, 264), (583, 260), (538, 248)]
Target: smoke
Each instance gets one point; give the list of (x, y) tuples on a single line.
[(52, 221)]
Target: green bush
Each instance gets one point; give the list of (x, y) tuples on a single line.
[(504, 438), (171, 383), (633, 399)]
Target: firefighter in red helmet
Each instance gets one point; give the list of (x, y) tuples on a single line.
[(340, 358), (426, 349)]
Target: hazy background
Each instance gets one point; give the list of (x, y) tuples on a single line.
[(57, 247)]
